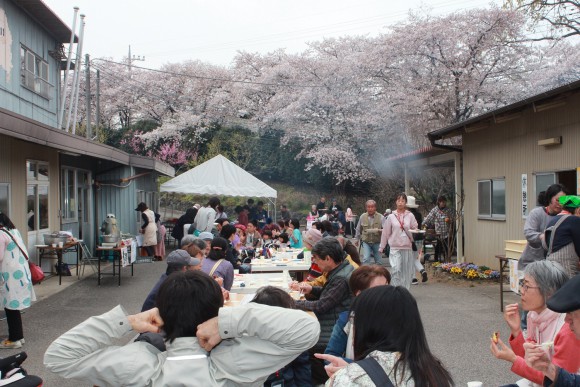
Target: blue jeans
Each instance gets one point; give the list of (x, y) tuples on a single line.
[(369, 248)]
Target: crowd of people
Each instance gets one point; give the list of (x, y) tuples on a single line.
[(367, 328)]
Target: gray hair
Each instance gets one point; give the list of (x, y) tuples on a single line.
[(549, 276), (200, 243), (329, 246), (371, 201), (187, 240)]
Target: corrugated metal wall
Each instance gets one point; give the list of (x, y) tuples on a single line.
[(14, 97), (116, 200), (123, 201), (509, 150)]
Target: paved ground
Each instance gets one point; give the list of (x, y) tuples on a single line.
[(458, 320)]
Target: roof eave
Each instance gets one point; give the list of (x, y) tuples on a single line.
[(460, 127), (49, 20)]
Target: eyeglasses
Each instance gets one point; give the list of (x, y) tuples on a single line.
[(526, 287)]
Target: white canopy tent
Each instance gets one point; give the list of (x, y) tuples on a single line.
[(219, 176)]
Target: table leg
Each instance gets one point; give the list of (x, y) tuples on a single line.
[(59, 265), (501, 268), (99, 253), (78, 256), (120, 258), (40, 254)]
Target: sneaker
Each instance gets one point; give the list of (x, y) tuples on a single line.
[(424, 276), (414, 281), (11, 344)]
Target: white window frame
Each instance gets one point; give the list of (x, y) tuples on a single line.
[(39, 183), (491, 215), (65, 197), (35, 73)]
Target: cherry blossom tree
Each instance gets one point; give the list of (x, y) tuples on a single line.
[(344, 103), (562, 17)]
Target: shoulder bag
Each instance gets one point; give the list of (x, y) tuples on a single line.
[(36, 273), (215, 266), (375, 372)]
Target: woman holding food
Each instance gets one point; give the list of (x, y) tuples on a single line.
[(545, 327)]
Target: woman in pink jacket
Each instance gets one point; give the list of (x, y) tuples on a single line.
[(397, 232), (545, 327)]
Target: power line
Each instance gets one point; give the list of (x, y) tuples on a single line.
[(211, 78), (306, 32)]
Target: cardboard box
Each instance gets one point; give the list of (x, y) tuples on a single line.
[(514, 248)]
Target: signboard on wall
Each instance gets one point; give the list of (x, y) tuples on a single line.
[(524, 195), (514, 276)]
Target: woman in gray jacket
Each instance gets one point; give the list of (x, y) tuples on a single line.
[(207, 345)]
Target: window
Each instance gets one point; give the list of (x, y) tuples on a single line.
[(37, 195), (68, 195), (543, 181), (491, 198), (5, 198), (34, 73)]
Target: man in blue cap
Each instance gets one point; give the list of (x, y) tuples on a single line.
[(565, 300)]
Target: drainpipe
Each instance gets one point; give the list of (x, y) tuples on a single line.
[(441, 146)]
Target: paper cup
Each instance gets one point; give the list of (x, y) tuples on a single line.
[(236, 271), (474, 384), (60, 244), (54, 245)]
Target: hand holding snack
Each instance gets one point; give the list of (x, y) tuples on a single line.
[(537, 358), (294, 285), (495, 337), (502, 351), (511, 315)]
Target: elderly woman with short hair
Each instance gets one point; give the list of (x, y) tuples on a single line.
[(541, 280)]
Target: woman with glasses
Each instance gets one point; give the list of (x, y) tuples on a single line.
[(545, 327), (562, 236)]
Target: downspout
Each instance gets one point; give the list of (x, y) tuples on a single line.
[(441, 146)]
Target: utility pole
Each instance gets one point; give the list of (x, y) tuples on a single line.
[(75, 86), (98, 113), (130, 60), (88, 133), (68, 61)]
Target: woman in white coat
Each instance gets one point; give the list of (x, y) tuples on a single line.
[(148, 229)]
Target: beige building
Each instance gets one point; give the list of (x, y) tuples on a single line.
[(508, 157)]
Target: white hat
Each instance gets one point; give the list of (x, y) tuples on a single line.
[(411, 202)]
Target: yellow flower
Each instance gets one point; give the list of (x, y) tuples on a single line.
[(456, 270)]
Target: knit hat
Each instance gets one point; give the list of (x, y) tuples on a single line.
[(572, 201), (567, 298), (181, 257), (206, 236), (312, 237)]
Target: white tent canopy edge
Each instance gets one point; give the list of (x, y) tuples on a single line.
[(221, 177)]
